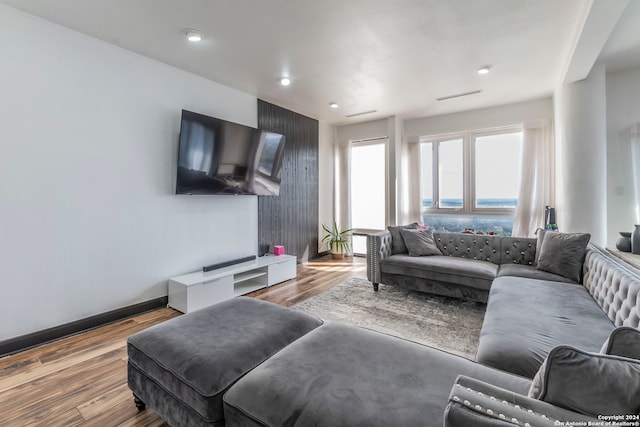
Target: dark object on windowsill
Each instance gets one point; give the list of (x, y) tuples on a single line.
[(470, 230), (635, 240), (623, 244), (549, 216)]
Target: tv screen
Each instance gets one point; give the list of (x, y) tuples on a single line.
[(220, 157)]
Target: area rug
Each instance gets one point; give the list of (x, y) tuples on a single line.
[(449, 324)]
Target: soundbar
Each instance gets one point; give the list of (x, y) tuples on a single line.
[(228, 263)]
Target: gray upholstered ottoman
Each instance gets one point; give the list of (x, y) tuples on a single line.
[(182, 367)]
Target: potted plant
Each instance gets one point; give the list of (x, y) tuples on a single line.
[(337, 241)]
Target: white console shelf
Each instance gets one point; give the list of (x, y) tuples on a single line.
[(193, 291)]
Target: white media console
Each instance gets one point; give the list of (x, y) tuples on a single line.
[(192, 291)]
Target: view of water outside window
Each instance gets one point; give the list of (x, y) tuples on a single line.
[(368, 196), (495, 187)]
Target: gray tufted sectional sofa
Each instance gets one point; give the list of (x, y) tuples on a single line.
[(246, 362), (529, 311), (467, 268)]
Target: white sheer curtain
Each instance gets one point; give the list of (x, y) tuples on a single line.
[(411, 206), (536, 189), (342, 190)]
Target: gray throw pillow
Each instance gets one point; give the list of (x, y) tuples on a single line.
[(624, 342), (589, 383), (563, 254), (420, 242), (397, 242)]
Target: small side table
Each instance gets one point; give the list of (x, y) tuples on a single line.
[(360, 244)]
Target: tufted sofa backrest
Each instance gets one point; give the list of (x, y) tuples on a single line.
[(614, 285), (518, 250), (495, 249), (472, 246)]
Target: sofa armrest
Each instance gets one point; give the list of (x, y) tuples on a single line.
[(477, 403), (378, 248)]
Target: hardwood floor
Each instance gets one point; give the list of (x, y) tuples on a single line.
[(82, 380)]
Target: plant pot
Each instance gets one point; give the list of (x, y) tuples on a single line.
[(337, 256)]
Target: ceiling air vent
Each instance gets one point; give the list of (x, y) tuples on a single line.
[(473, 92), (362, 113)]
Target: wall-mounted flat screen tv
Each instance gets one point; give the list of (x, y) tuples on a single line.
[(216, 156)]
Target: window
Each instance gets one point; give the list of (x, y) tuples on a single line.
[(470, 180), (368, 194), (497, 187)]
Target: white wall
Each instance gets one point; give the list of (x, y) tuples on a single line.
[(581, 157), (326, 137), (89, 221), (623, 109), (484, 118), (366, 130)]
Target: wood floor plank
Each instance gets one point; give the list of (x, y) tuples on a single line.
[(56, 366), (22, 358), (102, 403), (19, 366), (115, 414), (312, 279), (69, 418), (145, 419), (63, 390), (81, 380), (156, 316)]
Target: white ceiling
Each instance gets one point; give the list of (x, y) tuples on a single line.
[(392, 56)]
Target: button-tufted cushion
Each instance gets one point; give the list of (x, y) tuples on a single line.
[(518, 250), (471, 246), (615, 288)]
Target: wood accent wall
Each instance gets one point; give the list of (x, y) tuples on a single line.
[(291, 219)]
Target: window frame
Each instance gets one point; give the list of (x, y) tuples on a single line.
[(363, 232), (469, 139)]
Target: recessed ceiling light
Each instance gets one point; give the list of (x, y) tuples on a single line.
[(484, 70), (333, 105), (194, 36), (285, 81)]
